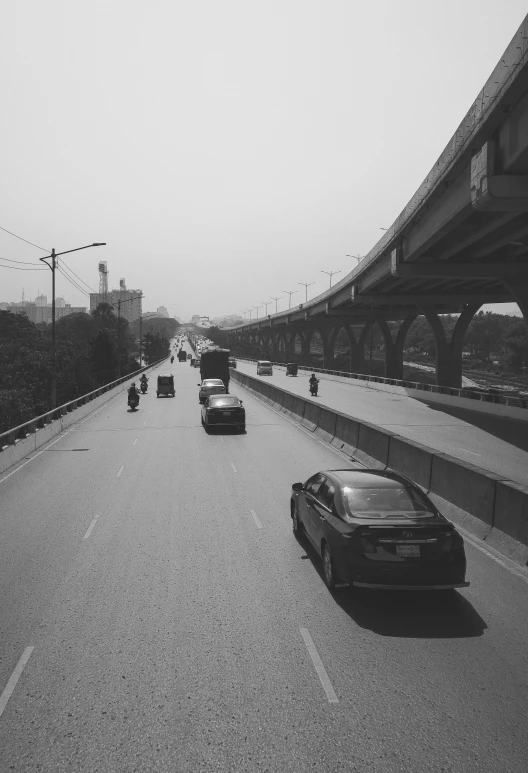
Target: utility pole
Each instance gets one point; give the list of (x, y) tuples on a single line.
[(140, 321), (290, 293), (54, 255), (276, 301), (306, 285)]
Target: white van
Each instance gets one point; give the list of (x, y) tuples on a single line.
[(264, 368)]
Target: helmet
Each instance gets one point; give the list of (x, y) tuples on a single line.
[(133, 383)]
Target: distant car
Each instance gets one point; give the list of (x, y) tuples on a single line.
[(211, 386), (196, 363), (223, 411), (377, 530), (264, 368), (232, 363)]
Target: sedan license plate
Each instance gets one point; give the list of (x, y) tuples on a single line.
[(408, 551), (226, 413)]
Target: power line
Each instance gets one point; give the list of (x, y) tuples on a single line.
[(25, 262), (16, 268), (71, 271), (71, 281), (24, 240)]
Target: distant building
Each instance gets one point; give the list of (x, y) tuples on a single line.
[(198, 319), (41, 300), (38, 314), (60, 303), (130, 302), (162, 311)]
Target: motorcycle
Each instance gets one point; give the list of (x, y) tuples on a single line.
[(133, 402), (172, 359), (314, 387), (143, 387)]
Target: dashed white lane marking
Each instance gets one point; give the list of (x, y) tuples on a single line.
[(120, 471), (469, 452), (221, 438), (90, 527), (257, 522), (135, 441), (318, 665), (144, 423), (15, 676), (233, 466)]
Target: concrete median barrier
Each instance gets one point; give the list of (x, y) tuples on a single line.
[(287, 404), (411, 459), (298, 406), (310, 418), (326, 424), (373, 446), (346, 434), (510, 521), (463, 484)]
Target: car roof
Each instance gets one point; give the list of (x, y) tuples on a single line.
[(165, 375), (366, 478), (263, 362), (224, 397), (213, 381)]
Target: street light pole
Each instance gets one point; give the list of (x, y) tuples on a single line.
[(257, 308), (118, 304), (306, 285), (54, 255), (357, 257), (290, 293), (276, 301), (266, 305), (330, 274)]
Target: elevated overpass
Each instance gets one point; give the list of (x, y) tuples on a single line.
[(461, 242)]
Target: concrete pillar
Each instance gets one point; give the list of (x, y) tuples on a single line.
[(305, 349), (394, 347), (519, 290), (449, 354), (289, 353)]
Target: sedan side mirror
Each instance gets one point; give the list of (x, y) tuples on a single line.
[(297, 487), (198, 385)]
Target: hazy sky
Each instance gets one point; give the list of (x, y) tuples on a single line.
[(226, 150)]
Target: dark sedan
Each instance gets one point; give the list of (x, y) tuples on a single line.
[(377, 530), (223, 411)]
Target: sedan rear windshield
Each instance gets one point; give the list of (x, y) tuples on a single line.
[(395, 502), (165, 379), (213, 382), (222, 402)]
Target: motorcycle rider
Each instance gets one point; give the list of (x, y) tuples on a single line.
[(314, 381), (133, 392), (143, 381)]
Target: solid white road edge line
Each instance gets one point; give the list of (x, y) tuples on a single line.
[(38, 453), (506, 563), (13, 679), (233, 466), (90, 527), (257, 522), (318, 665), (120, 471)]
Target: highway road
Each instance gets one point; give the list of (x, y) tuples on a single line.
[(157, 614), (490, 442)]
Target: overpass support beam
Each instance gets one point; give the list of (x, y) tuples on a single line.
[(394, 347), (449, 353), (519, 290)]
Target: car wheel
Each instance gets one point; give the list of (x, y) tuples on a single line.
[(296, 524), (242, 428), (328, 568)]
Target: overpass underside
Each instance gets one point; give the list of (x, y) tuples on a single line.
[(461, 242)]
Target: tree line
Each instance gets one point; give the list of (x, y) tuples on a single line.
[(91, 349)]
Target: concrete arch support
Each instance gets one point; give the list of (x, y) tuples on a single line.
[(449, 353)]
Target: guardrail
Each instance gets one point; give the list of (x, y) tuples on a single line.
[(15, 434), (485, 395)]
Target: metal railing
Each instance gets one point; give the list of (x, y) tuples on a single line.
[(10, 437), (483, 394)]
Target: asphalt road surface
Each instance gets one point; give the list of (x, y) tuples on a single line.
[(491, 442), (160, 616)]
